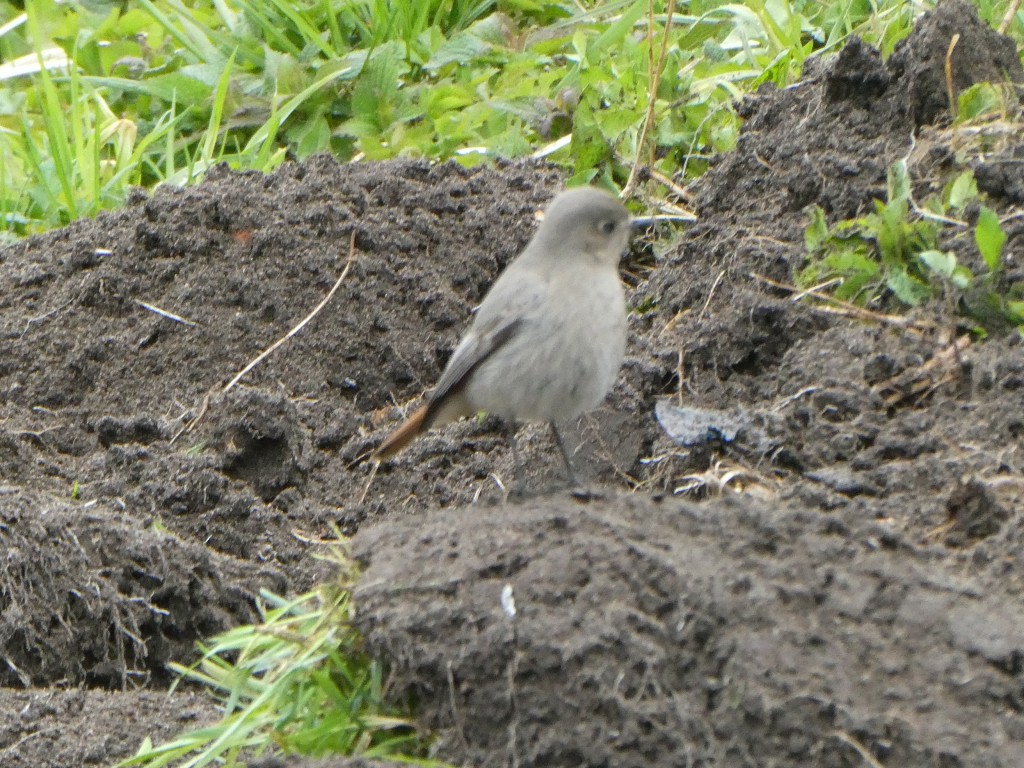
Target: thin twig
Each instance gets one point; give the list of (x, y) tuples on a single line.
[(711, 294), (861, 750), (655, 78), (369, 481), (949, 74), (267, 352), (793, 398), (671, 324), (815, 288), (39, 318), (263, 355), (680, 375), (460, 725), (923, 213), (926, 214), (664, 180), (203, 408), (644, 221), (844, 308), (917, 382), (1011, 11), (165, 313), (12, 749)]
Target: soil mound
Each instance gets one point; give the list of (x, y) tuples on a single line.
[(635, 631), (108, 599)]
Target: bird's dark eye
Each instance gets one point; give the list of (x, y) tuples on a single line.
[(606, 227)]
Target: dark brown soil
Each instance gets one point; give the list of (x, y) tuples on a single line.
[(842, 585)]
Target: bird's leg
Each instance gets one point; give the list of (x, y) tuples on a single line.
[(510, 428), (565, 454)]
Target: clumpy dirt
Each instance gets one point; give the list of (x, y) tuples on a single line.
[(79, 726), (648, 631), (838, 583)]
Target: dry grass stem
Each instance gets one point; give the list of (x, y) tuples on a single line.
[(164, 313), (941, 369), (860, 749), (269, 350), (664, 180), (950, 91), (655, 78), (1011, 11), (711, 295), (844, 308)]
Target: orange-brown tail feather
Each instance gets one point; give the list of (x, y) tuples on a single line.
[(410, 429)]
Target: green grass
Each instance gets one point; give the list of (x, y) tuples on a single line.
[(158, 91), (298, 683)]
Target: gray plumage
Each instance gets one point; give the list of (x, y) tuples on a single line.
[(547, 341)]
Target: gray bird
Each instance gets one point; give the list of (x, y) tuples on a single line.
[(548, 339)]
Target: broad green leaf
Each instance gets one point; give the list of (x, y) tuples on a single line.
[(962, 277), (989, 236), (1017, 308), (586, 176), (492, 29), (817, 231), (963, 190), (852, 258), (978, 100), (942, 262), (445, 100), (589, 147), (462, 48), (898, 182), (615, 34), (890, 231), (210, 74), (376, 93), (854, 264), (616, 121), (906, 288), (528, 6), (697, 35), (313, 136), (172, 86)]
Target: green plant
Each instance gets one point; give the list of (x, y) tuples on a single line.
[(98, 98), (871, 252), (894, 250), (196, 450), (298, 682), (982, 100)]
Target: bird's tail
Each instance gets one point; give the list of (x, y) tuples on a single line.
[(410, 429)]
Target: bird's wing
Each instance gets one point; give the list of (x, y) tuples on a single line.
[(503, 313)]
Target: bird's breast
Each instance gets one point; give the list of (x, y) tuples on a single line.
[(565, 356)]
